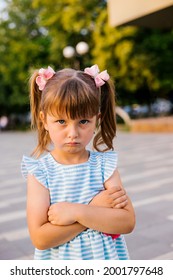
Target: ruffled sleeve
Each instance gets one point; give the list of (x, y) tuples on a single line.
[(110, 160), (35, 168)]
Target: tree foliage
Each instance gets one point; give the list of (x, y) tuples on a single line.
[(33, 34), (69, 22), (23, 45), (138, 59)]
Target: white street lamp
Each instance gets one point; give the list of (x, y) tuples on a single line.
[(68, 52), (82, 48)]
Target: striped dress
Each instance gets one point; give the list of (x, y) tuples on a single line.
[(78, 183)]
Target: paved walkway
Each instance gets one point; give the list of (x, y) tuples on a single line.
[(146, 167)]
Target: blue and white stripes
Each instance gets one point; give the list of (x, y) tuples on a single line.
[(77, 183)]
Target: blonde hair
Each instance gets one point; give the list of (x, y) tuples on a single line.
[(74, 93)]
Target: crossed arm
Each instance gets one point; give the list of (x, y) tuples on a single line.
[(60, 223)]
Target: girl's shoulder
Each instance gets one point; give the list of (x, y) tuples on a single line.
[(108, 162), (30, 162), (36, 167), (105, 156)]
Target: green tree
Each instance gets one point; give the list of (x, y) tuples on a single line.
[(138, 59), (34, 33), (134, 56), (69, 22), (23, 45)]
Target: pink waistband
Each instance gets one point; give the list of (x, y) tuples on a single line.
[(114, 236)]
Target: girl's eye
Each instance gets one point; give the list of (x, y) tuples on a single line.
[(84, 121), (61, 121)]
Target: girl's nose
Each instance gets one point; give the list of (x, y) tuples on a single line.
[(73, 132)]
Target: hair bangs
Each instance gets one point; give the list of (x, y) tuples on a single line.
[(74, 99)]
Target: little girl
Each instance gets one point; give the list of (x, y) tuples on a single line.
[(77, 208)]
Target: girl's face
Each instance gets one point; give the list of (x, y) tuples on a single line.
[(70, 136)]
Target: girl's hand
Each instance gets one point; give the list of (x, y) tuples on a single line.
[(114, 197), (62, 213)]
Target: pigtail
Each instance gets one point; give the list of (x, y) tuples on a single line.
[(107, 125), (36, 122), (35, 99)]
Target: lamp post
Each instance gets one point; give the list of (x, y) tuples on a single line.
[(70, 52)]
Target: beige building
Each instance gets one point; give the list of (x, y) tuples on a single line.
[(148, 13)]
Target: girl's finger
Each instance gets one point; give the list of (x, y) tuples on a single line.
[(121, 205), (121, 199), (118, 194)]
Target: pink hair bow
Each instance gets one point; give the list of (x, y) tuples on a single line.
[(99, 78), (44, 76)]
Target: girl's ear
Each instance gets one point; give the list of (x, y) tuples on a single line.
[(43, 119)]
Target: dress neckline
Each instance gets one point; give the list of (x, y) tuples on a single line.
[(70, 165)]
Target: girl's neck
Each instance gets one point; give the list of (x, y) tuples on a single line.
[(69, 158)]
